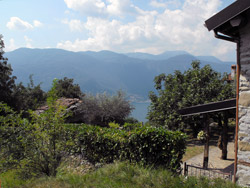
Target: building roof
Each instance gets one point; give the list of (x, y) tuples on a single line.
[(221, 20)]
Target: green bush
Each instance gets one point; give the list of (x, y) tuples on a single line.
[(131, 126), (157, 147), (96, 143), (145, 145)]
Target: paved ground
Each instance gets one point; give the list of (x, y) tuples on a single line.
[(214, 160)]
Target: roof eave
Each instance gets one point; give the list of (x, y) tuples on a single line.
[(227, 14)]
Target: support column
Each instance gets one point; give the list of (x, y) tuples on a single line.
[(224, 136), (206, 146)]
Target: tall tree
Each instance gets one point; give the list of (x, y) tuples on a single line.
[(7, 82), (175, 91), (66, 88), (29, 97)]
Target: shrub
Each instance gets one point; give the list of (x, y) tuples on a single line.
[(98, 144), (146, 145), (157, 147)]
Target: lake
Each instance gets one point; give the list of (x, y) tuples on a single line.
[(140, 111)]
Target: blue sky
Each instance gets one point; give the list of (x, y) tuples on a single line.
[(151, 26)]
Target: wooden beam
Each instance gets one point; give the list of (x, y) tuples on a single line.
[(208, 108)]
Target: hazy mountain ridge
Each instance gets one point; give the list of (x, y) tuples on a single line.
[(104, 70)]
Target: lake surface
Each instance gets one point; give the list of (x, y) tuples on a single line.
[(140, 111)]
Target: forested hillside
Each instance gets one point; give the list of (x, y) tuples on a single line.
[(105, 70)]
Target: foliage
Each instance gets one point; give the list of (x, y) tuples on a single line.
[(201, 136), (122, 174), (28, 98), (47, 142), (157, 147), (66, 88), (176, 91), (35, 147), (131, 126), (146, 145), (12, 133), (114, 125), (17, 96), (7, 82), (131, 120), (103, 109)]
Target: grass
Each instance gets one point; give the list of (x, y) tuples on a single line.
[(10, 179), (121, 175)]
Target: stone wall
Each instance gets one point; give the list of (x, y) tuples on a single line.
[(243, 167)]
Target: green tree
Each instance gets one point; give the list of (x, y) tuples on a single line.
[(36, 147), (47, 144), (66, 88), (175, 91), (104, 108), (7, 82), (29, 97)]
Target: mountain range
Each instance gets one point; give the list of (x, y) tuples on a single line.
[(104, 70)]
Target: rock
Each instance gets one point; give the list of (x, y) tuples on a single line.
[(72, 105)]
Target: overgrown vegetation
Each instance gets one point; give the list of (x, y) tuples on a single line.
[(35, 145), (42, 143), (116, 175)]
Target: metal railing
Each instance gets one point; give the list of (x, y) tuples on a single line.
[(191, 170)]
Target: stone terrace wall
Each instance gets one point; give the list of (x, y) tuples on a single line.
[(243, 167)]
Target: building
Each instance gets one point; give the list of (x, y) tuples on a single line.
[(233, 24)]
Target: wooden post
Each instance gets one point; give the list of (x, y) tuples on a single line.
[(185, 169), (206, 146), (224, 136)]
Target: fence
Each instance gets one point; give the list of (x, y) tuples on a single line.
[(190, 170)]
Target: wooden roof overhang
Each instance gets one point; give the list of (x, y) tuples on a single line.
[(221, 22), (209, 108)]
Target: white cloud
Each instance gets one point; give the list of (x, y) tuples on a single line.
[(101, 8), (174, 4), (119, 7), (11, 46), (150, 31), (224, 50), (16, 23), (28, 42), (86, 6), (74, 25), (36, 23), (157, 4)]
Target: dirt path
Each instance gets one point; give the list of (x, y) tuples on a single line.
[(214, 161)]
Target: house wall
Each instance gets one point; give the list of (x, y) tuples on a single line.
[(243, 167)]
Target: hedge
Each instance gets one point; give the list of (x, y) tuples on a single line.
[(146, 145)]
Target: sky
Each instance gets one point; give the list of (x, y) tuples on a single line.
[(150, 26)]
